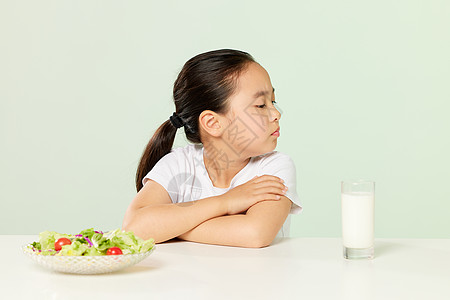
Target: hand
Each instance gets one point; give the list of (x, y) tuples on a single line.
[(265, 187)]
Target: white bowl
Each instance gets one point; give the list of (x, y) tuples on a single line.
[(86, 264)]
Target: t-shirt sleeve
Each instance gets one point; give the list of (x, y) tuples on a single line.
[(281, 165), (164, 173)]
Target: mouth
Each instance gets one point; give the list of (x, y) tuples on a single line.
[(276, 132)]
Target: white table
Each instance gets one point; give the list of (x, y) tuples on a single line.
[(294, 268)]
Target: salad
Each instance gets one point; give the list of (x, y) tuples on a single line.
[(90, 242)]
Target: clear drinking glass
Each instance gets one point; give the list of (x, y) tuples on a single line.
[(358, 211)]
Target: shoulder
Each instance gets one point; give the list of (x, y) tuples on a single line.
[(181, 154), (179, 161), (274, 159), (187, 150), (281, 165)]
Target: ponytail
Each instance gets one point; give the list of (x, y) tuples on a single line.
[(159, 145)]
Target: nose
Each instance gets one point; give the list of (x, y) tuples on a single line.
[(274, 114)]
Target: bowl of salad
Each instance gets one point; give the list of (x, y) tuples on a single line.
[(89, 252)]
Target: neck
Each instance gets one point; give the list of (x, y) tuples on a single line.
[(222, 164)]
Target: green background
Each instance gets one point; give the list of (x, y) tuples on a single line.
[(363, 87)]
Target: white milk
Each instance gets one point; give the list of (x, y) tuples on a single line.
[(358, 220)]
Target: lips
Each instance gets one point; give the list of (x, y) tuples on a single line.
[(276, 132)]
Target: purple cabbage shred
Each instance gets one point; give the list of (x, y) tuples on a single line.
[(89, 241)]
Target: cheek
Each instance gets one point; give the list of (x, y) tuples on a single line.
[(257, 120), (244, 130)]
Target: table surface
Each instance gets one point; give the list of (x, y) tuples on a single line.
[(290, 268)]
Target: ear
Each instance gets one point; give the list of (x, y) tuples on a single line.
[(211, 122)]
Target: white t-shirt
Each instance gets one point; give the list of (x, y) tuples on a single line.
[(183, 174)]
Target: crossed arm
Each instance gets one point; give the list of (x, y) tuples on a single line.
[(153, 215), (256, 228)]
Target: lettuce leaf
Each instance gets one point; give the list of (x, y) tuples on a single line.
[(47, 239), (99, 243)]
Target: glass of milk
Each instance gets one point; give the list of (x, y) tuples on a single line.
[(358, 210)]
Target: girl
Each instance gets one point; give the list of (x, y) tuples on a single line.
[(229, 187)]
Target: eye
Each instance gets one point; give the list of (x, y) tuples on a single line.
[(263, 105)]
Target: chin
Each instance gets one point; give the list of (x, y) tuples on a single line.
[(274, 146), (262, 149), (268, 149)]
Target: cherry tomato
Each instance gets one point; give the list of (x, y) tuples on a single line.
[(61, 242), (114, 251)]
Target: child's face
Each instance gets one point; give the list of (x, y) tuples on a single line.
[(254, 118)]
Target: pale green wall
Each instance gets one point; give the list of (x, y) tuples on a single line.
[(363, 85)]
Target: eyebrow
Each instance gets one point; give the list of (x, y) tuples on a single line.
[(262, 93)]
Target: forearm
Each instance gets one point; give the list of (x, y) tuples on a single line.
[(230, 230), (257, 228), (166, 221)]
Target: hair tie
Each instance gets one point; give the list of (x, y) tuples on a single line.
[(176, 121)]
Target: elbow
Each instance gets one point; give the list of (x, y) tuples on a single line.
[(260, 237), (129, 227), (263, 242), (126, 226), (129, 224), (142, 232), (132, 223), (139, 232), (129, 220), (258, 244)]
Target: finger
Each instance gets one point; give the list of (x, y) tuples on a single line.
[(270, 183), (263, 197), (271, 190), (267, 178)]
